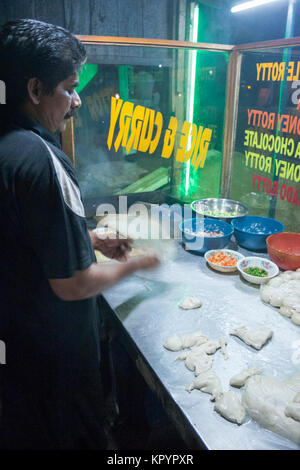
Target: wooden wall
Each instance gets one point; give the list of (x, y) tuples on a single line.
[(129, 18)]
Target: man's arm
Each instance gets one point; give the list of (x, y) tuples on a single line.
[(95, 279)]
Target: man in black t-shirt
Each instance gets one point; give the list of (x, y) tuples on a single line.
[(49, 281)]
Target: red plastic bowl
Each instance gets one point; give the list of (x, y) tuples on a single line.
[(284, 249)]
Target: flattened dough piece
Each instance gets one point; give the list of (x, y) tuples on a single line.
[(209, 347), (193, 339), (255, 338), (178, 342), (229, 406), (241, 378), (293, 411), (265, 400), (208, 382), (196, 361), (190, 302)]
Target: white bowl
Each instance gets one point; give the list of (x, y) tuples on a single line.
[(224, 269), (262, 263)]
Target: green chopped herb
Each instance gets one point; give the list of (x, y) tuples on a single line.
[(255, 271), (219, 213)]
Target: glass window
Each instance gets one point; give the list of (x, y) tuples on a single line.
[(151, 120), (266, 161)]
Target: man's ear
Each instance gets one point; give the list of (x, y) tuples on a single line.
[(34, 88)]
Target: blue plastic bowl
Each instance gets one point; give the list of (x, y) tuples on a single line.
[(202, 243), (252, 231)]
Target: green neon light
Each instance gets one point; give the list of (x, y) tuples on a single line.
[(86, 74), (191, 89)]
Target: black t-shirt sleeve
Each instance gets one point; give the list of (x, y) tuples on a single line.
[(49, 204)]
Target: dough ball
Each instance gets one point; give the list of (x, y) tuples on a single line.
[(290, 305), (173, 343), (294, 284), (296, 318), (266, 293), (285, 311), (287, 275), (190, 302), (291, 301), (296, 275), (275, 282), (276, 298)]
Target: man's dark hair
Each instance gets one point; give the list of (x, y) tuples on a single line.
[(31, 48)]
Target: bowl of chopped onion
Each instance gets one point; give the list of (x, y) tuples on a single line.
[(224, 261), (257, 270)]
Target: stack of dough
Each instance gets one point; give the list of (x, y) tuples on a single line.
[(283, 291), (274, 404)]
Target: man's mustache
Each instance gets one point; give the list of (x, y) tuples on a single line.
[(70, 114)]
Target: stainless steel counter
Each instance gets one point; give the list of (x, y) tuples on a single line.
[(146, 311)]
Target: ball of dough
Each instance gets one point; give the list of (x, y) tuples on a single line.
[(291, 300), (296, 318), (173, 343), (190, 302), (285, 311), (287, 275), (275, 281), (295, 275), (276, 298), (266, 293)]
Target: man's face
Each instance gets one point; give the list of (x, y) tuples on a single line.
[(55, 109)]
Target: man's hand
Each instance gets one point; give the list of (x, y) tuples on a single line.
[(112, 247)]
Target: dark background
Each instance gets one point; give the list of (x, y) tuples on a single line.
[(165, 19)]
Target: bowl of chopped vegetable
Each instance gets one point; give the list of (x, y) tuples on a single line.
[(252, 231), (218, 208), (224, 261), (257, 270), (201, 235), (284, 249)]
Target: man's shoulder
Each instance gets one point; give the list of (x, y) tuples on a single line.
[(21, 142), (23, 152)]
